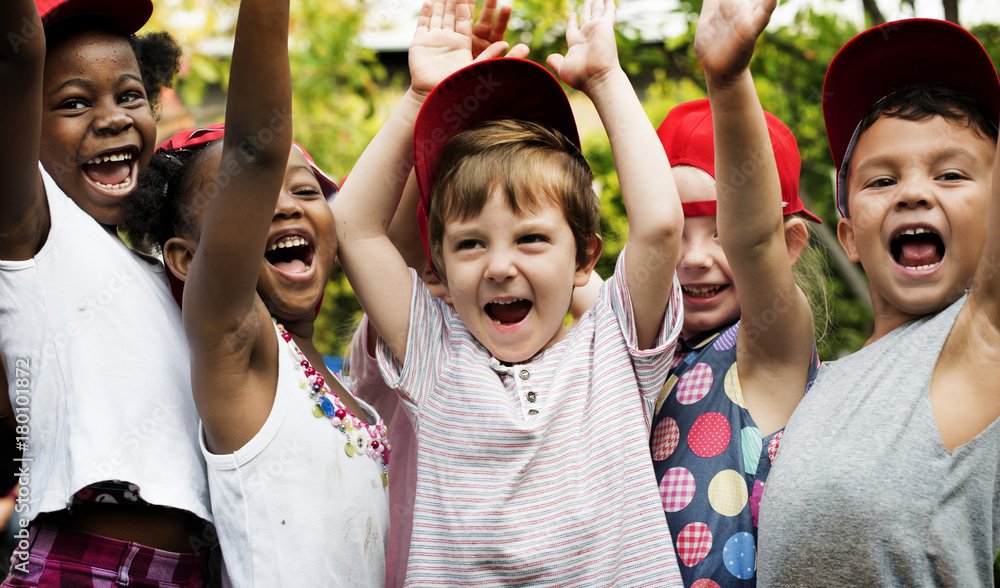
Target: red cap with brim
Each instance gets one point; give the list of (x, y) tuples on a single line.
[(688, 139), (129, 15), (194, 139), (494, 89), (895, 56)]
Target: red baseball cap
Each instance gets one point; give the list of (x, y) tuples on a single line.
[(892, 57), (493, 89), (130, 15), (688, 139), (194, 139)]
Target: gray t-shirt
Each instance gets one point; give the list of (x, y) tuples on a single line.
[(863, 492)]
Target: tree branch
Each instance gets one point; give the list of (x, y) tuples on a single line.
[(871, 9)]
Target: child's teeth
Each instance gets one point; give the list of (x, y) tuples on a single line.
[(111, 157), (289, 242), (125, 184)]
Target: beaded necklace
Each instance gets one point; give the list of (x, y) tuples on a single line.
[(362, 438)]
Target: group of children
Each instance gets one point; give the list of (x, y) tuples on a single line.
[(176, 397)]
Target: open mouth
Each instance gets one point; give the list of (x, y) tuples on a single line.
[(111, 171), (703, 291), (508, 312), (917, 249), (290, 254)]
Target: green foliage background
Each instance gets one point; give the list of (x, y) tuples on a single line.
[(343, 93)]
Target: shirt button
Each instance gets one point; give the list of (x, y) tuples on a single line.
[(531, 396), (532, 412), (525, 375)]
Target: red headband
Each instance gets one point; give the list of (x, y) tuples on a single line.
[(702, 208)]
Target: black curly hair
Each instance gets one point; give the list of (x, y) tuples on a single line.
[(158, 54), (167, 202)]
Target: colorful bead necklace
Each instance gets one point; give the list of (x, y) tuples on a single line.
[(362, 438)]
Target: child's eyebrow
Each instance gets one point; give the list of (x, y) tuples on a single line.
[(89, 85), (933, 157), (129, 77), (954, 153), (75, 82)]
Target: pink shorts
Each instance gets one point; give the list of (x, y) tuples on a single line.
[(62, 557)]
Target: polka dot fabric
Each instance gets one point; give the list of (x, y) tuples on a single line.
[(711, 463)]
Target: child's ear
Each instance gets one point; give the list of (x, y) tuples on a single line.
[(796, 238), (177, 256), (845, 234), (594, 248)]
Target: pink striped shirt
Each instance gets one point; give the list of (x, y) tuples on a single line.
[(537, 473)]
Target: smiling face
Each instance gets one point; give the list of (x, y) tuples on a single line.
[(919, 193), (710, 299), (511, 276), (301, 245), (98, 129)]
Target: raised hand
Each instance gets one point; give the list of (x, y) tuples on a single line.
[(443, 43), (727, 34), (592, 53), (490, 25)]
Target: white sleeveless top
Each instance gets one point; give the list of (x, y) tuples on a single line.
[(291, 507), (98, 368)]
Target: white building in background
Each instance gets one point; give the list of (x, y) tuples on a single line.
[(390, 24)]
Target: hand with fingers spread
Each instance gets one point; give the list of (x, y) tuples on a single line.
[(443, 43), (592, 50), (727, 33), (490, 27)]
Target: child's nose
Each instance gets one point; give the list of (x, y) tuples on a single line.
[(288, 206), (695, 256), (915, 192), (111, 118), (500, 266)]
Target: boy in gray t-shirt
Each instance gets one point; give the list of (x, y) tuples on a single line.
[(889, 470)]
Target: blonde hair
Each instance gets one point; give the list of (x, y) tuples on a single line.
[(810, 273)]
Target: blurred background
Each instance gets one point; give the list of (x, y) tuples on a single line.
[(349, 70)]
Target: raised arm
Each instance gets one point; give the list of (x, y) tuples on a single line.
[(24, 215), (651, 202), (220, 290), (985, 293), (774, 361), (365, 207)]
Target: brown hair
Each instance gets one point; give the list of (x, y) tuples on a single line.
[(529, 163), (919, 103)]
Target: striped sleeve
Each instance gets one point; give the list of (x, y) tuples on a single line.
[(426, 348), (651, 365)]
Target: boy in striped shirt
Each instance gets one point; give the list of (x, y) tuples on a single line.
[(533, 462)]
